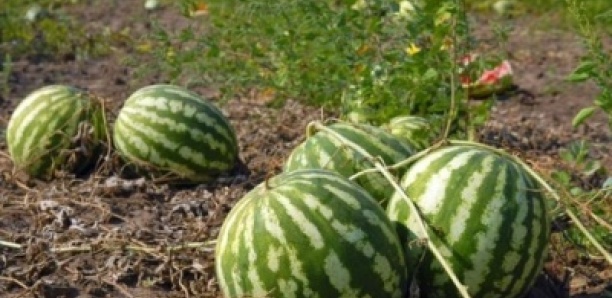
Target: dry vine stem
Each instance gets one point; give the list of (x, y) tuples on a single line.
[(10, 244), (404, 162), (381, 168), (135, 248)]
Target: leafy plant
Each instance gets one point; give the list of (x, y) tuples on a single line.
[(589, 200), (596, 65), (594, 209), (552, 13), (412, 74), (369, 60), (576, 156), (377, 59), (40, 28)]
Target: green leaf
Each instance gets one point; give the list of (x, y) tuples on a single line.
[(583, 72), (605, 16), (566, 155), (578, 77), (583, 115), (585, 66), (576, 152), (591, 167), (579, 150), (576, 191), (562, 177), (604, 100), (430, 74)]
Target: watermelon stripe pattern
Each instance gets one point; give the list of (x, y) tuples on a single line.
[(309, 233), (488, 219), (40, 131), (416, 131), (174, 130), (324, 151)]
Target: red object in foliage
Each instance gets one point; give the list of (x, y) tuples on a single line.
[(491, 81)]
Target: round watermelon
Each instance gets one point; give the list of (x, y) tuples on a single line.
[(415, 130), (168, 130), (323, 150), (309, 233), (487, 216), (56, 128)]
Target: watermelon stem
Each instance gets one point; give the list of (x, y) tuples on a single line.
[(404, 162), (105, 129), (422, 225), (310, 130), (452, 111), (549, 189), (267, 182)]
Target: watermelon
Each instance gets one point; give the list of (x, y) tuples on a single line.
[(415, 130), (496, 78), (168, 130), (324, 151), (54, 129), (487, 217), (309, 233)]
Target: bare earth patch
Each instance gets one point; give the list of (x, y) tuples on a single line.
[(104, 236)]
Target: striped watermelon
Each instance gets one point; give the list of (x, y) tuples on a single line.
[(415, 130), (323, 151), (171, 131), (309, 233), (487, 216), (55, 128)]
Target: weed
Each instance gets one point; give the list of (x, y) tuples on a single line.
[(41, 29), (576, 156), (554, 13), (371, 59), (587, 194), (596, 65)]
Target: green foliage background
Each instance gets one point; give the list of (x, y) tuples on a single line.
[(51, 34)]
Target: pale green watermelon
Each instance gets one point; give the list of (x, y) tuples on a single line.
[(323, 151), (172, 131), (309, 233), (488, 217), (56, 128), (415, 130)]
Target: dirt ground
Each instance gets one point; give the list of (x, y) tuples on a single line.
[(103, 236)]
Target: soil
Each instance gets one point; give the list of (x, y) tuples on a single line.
[(105, 236)]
